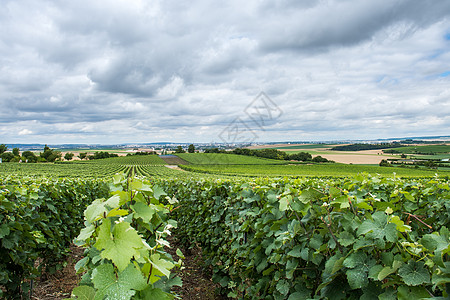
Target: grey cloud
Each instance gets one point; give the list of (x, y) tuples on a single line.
[(344, 23)]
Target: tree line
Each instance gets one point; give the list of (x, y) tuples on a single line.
[(49, 155), (271, 154)]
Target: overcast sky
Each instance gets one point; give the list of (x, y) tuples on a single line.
[(128, 71)]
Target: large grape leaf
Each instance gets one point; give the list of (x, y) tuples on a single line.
[(84, 292), (379, 228), (358, 265), (120, 245), (121, 287), (414, 273), (143, 211), (95, 211)]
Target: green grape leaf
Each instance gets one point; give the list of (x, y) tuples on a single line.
[(117, 212), (158, 192), (400, 225), (435, 242), (84, 292), (359, 265), (374, 271), (284, 203), (357, 278), (389, 294), (86, 233), (124, 286), (4, 230), (386, 271), (161, 267), (414, 273), (379, 228), (120, 245), (81, 264), (295, 252), (136, 184), (411, 292), (95, 211), (346, 238), (283, 287), (113, 202), (143, 211), (309, 195), (151, 293)]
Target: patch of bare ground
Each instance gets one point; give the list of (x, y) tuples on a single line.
[(174, 160), (174, 167), (196, 278), (59, 285), (197, 282)]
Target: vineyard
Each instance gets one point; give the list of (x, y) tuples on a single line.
[(325, 231)]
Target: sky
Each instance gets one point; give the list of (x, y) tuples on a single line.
[(131, 71)]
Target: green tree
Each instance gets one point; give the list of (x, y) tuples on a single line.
[(319, 159), (191, 148), (7, 156), (384, 163), (82, 155), (50, 155), (3, 148), (16, 151), (68, 156), (180, 150), (30, 156)]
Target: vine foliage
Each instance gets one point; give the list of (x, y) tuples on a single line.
[(124, 237), (364, 237)]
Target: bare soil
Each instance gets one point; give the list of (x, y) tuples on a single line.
[(197, 282), (174, 160)]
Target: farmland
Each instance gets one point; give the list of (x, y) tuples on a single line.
[(310, 170), (263, 225), (227, 159)]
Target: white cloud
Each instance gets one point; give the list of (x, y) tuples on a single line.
[(25, 132)]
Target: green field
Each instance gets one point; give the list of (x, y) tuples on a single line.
[(422, 149), (227, 159), (310, 170), (148, 165)]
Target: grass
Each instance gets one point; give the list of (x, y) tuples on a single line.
[(311, 170), (304, 146), (423, 149), (227, 159)]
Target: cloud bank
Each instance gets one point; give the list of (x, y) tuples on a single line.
[(182, 71)]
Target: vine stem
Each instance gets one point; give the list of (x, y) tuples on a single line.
[(150, 273), (332, 234), (298, 218), (415, 217)]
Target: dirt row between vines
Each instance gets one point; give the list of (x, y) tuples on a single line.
[(197, 282)]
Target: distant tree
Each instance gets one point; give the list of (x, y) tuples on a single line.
[(29, 156), (69, 156), (3, 148), (16, 151), (384, 163), (50, 155), (180, 150), (82, 155), (431, 164), (191, 148), (403, 155), (55, 155), (301, 156), (319, 159), (7, 156)]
